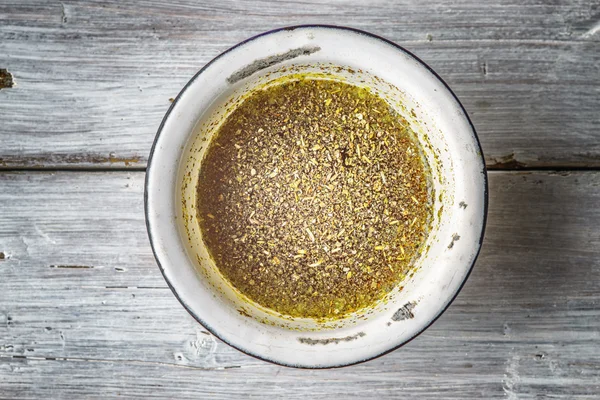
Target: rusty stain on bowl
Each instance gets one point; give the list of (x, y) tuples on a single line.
[(267, 62), (455, 238), (405, 312), (334, 340)]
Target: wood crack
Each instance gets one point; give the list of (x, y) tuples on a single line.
[(123, 361)]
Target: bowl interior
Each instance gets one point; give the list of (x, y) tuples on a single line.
[(449, 145)]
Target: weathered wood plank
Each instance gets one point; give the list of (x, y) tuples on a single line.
[(527, 323), (93, 79), (60, 218), (456, 19)]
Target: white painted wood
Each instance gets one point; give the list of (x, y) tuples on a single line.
[(526, 325), (84, 311), (93, 79)]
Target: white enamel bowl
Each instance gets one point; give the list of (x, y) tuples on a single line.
[(449, 143)]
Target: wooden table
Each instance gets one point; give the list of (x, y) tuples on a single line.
[(84, 310)]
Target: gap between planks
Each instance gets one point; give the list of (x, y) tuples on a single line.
[(123, 361)]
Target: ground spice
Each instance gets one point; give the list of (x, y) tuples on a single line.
[(313, 198)]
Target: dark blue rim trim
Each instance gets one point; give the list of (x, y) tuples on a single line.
[(341, 28)]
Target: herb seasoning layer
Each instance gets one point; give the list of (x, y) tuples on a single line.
[(313, 198)]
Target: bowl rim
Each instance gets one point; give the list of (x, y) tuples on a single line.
[(214, 331)]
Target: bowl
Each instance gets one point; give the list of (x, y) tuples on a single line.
[(449, 143)]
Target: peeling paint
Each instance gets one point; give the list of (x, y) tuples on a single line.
[(560, 173), (63, 13), (506, 162), (511, 379), (591, 32), (327, 341), (267, 62)]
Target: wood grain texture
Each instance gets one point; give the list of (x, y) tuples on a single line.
[(93, 79), (84, 311)]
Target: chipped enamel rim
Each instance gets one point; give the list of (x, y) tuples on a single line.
[(436, 283)]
